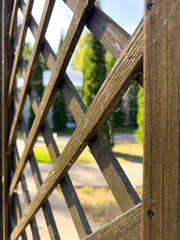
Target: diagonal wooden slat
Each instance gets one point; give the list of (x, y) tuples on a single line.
[(108, 96), (125, 227), (13, 24), (48, 7), (27, 198), (68, 46), (12, 222), (106, 161), (4, 118), (75, 208), (108, 32), (19, 50), (70, 195), (116, 178), (19, 214), (17, 211), (127, 197), (48, 215)]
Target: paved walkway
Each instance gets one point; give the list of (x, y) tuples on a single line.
[(81, 175), (62, 140)]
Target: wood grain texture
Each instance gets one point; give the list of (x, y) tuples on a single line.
[(48, 215), (108, 96), (46, 208), (13, 23), (14, 219), (113, 173), (126, 196), (109, 33), (75, 208), (27, 198), (161, 195), (67, 48), (48, 7), (4, 119), (125, 227), (18, 212), (66, 185), (1, 196), (19, 50)]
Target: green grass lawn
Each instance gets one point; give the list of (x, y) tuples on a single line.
[(124, 152)]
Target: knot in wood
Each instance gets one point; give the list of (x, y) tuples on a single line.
[(150, 4)]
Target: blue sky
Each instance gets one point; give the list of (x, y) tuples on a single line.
[(126, 13)]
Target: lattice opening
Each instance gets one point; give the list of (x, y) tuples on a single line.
[(88, 122), (63, 21)]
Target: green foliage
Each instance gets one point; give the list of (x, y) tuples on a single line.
[(133, 105), (38, 84), (59, 115), (88, 189), (139, 132), (94, 73), (94, 68), (27, 52), (119, 112), (42, 157), (110, 60), (78, 57)]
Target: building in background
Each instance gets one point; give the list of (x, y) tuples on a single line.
[(77, 80)]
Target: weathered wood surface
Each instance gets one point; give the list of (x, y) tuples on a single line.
[(4, 119), (19, 50), (18, 212), (75, 208), (161, 195), (125, 227), (1, 200), (67, 48), (48, 7), (110, 93), (109, 33), (113, 173), (48, 215), (12, 27), (27, 198), (126, 196), (46, 208), (14, 218)]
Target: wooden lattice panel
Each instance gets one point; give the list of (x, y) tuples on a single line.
[(128, 67)]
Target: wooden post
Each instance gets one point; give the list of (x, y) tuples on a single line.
[(4, 62), (161, 187), (0, 118)]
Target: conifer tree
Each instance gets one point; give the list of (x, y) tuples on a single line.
[(118, 114), (94, 73), (59, 114), (133, 105), (37, 80)]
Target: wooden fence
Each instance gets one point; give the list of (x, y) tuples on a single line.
[(152, 49)]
